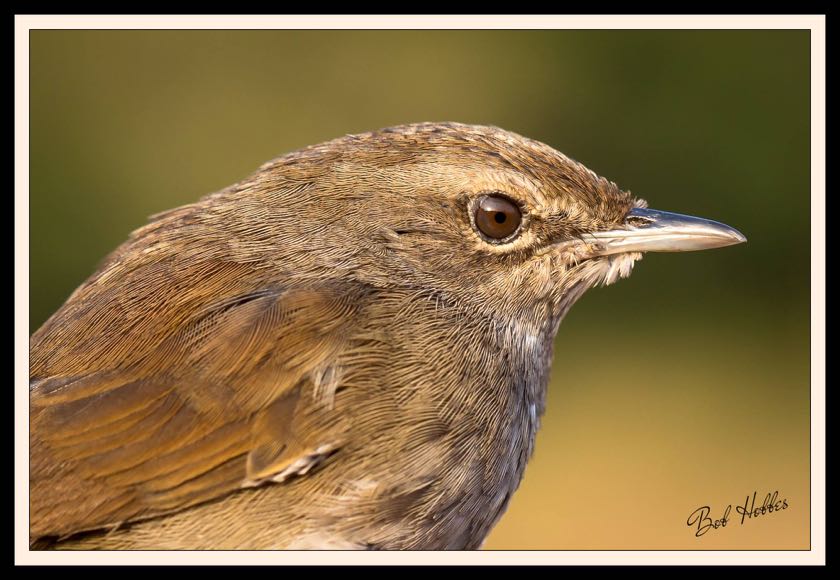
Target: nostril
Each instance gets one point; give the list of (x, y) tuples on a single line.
[(637, 221)]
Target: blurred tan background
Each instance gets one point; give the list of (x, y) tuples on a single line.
[(685, 385)]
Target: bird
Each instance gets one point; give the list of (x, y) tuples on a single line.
[(348, 349)]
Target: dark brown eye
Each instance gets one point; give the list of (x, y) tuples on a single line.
[(497, 217)]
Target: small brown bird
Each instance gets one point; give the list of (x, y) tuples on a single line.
[(348, 350)]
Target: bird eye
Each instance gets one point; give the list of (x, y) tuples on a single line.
[(497, 217)]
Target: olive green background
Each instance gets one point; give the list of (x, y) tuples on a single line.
[(685, 385)]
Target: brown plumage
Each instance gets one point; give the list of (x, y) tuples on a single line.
[(329, 354)]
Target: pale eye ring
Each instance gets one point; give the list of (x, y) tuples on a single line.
[(497, 217)]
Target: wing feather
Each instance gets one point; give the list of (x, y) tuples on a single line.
[(205, 408)]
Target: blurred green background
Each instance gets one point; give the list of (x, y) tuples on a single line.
[(685, 385)]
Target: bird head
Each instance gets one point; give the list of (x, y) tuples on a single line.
[(482, 217)]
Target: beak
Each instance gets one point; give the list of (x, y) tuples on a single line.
[(650, 230)]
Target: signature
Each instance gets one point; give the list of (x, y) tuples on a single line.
[(702, 520)]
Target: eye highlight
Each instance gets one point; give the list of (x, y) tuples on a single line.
[(497, 217)]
